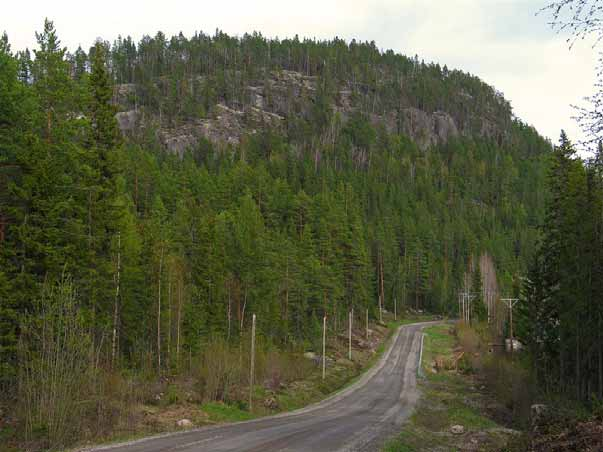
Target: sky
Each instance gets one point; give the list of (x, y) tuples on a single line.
[(504, 42)]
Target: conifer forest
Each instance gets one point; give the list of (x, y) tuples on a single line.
[(156, 195)]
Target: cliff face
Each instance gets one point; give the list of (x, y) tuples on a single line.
[(284, 96), (428, 129)]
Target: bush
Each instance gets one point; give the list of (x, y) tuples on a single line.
[(223, 370), (512, 383), (56, 368), (220, 371)]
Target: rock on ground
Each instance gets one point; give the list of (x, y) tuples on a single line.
[(457, 429), (184, 423)]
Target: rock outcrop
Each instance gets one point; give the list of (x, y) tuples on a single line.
[(428, 129), (286, 95), (128, 121)]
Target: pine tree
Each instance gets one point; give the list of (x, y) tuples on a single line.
[(50, 72)]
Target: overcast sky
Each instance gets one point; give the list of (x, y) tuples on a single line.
[(501, 41)]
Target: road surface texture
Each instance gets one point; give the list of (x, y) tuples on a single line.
[(360, 418)]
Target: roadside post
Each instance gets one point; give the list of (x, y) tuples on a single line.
[(350, 334), (252, 367), (324, 347)]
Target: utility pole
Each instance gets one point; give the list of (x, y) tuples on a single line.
[(159, 312), (324, 347), (395, 309), (367, 328), (382, 296), (350, 315), (252, 366), (510, 303)]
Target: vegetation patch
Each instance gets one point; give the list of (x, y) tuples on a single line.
[(221, 412), (450, 398)]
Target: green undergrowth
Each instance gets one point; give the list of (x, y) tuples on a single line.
[(448, 398), (340, 374), (222, 412)]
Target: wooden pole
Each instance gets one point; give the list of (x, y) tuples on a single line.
[(382, 297), (395, 309), (324, 347), (350, 335), (510, 302), (159, 313), (180, 282), (367, 328), (252, 366)]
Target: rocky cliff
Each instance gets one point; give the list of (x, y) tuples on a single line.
[(282, 97)]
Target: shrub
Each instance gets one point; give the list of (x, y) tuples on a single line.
[(220, 371), (512, 384), (56, 367)]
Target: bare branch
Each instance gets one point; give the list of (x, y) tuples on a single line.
[(590, 116), (579, 18)]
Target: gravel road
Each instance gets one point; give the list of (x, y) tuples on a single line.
[(360, 418)]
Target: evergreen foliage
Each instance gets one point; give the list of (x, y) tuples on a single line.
[(324, 215), (560, 316)]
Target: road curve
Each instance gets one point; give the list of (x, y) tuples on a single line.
[(360, 418)]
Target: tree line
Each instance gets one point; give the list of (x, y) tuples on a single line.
[(562, 312)]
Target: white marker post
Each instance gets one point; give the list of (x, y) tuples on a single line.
[(324, 347), (252, 367)]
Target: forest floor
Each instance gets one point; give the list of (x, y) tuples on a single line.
[(175, 400), (456, 412)]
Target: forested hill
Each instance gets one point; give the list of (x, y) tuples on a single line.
[(285, 178), (224, 88)]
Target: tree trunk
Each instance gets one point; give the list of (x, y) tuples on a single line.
[(2, 227), (116, 302), (242, 314)]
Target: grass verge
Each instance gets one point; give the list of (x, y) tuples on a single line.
[(448, 398)]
